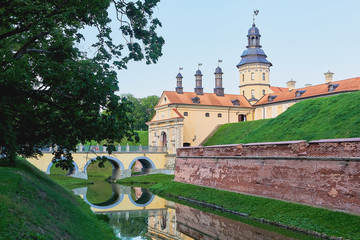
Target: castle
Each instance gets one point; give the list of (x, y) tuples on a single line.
[(185, 119)]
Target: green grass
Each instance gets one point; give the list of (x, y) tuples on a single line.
[(33, 206), (232, 133), (320, 220), (321, 118), (146, 180)]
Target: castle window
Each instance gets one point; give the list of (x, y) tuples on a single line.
[(264, 76), (244, 93), (299, 93), (253, 93), (195, 100), (271, 98), (243, 77), (252, 76), (185, 113), (219, 115), (332, 87), (235, 102), (263, 92), (207, 114)]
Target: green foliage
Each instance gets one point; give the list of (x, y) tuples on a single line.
[(305, 217), (51, 93), (142, 110), (321, 118), (35, 207)]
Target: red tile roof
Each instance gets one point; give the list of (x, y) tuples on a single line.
[(279, 89), (347, 85), (209, 99)]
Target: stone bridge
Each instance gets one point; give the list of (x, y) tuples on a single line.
[(122, 162), (122, 201)]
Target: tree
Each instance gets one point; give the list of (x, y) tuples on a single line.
[(141, 110), (51, 93)]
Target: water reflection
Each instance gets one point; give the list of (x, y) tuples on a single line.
[(135, 213)]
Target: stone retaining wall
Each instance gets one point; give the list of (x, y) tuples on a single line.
[(324, 173)]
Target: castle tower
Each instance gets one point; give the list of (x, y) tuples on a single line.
[(198, 83), (218, 90), (254, 69), (179, 87)]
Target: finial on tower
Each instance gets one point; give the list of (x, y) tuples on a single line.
[(219, 61), (256, 12), (199, 64)]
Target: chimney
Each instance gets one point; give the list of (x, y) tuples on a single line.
[(218, 90), (198, 83), (308, 85), (179, 87), (291, 85), (328, 77)]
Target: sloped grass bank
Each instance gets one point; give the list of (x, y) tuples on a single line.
[(308, 218), (321, 118), (232, 133), (33, 206)]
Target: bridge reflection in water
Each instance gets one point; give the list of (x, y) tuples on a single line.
[(136, 212)]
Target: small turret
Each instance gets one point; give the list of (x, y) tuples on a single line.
[(179, 87), (218, 90), (291, 85), (328, 77), (198, 83)]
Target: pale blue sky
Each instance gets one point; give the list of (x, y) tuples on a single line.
[(302, 39)]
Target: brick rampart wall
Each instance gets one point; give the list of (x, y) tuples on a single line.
[(324, 173)]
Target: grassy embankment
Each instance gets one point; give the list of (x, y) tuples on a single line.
[(308, 218), (321, 118), (33, 206)]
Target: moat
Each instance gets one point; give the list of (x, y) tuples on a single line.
[(136, 213)]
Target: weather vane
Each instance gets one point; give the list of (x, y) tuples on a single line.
[(180, 68), (256, 12), (199, 64), (219, 61)]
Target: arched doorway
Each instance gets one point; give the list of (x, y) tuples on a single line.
[(164, 140)]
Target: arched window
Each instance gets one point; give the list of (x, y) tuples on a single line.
[(264, 76), (207, 114), (252, 76), (219, 115)]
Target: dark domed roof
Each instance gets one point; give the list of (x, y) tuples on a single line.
[(179, 75), (254, 31), (198, 73), (218, 70)]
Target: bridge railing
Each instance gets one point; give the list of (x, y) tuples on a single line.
[(119, 148)]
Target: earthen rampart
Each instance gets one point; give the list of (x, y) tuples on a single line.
[(324, 173)]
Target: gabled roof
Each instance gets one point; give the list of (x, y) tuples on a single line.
[(347, 85), (208, 99), (175, 115)]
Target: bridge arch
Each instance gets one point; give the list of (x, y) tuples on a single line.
[(147, 164), (71, 171), (116, 164), (145, 199), (115, 199)]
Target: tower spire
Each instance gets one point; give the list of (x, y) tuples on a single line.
[(256, 12)]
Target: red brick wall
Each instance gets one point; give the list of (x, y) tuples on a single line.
[(207, 226), (323, 173)]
